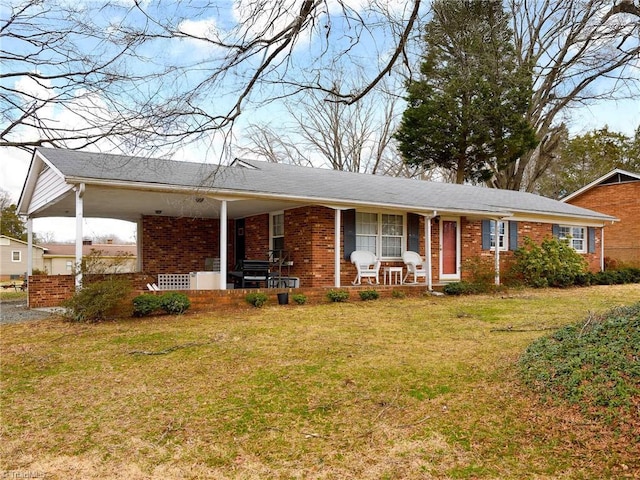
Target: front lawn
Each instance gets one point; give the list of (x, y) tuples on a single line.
[(394, 388)]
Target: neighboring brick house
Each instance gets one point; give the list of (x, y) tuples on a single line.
[(617, 194), (13, 258), (317, 216)]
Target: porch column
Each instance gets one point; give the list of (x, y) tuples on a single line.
[(336, 248), (497, 252), (29, 247), (223, 245), (427, 248), (79, 217)]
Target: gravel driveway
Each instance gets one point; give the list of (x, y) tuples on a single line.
[(16, 311)]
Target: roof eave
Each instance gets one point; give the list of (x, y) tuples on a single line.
[(597, 181)]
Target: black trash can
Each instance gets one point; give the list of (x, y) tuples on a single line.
[(283, 298)]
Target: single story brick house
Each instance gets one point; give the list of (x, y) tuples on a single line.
[(317, 216), (617, 194)]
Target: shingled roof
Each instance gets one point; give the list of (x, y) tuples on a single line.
[(259, 179)]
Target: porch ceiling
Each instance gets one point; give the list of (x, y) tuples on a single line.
[(131, 204)]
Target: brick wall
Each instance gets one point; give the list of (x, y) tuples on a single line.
[(309, 238), (621, 200), (256, 234), (181, 245), (471, 240), (52, 290)]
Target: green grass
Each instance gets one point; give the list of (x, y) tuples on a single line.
[(397, 388)]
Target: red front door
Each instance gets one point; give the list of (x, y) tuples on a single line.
[(449, 236)]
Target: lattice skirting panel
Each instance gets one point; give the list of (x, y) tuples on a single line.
[(174, 281)]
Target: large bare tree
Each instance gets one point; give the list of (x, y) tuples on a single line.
[(161, 73), (583, 51), (320, 130)]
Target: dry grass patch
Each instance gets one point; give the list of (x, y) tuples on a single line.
[(398, 388)]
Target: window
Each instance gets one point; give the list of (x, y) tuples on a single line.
[(16, 256), (69, 266), (277, 232), (503, 235), (381, 234), (576, 236)]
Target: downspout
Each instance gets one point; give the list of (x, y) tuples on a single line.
[(79, 217)]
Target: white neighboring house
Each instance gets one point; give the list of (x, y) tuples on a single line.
[(59, 259), (13, 258)]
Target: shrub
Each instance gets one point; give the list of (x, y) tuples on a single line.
[(338, 295), (146, 304), (256, 299), (299, 298), (553, 263), (481, 273), (97, 301), (459, 288), (368, 294), (398, 294), (174, 303)]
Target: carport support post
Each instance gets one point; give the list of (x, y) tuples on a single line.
[(29, 247), (336, 247), (79, 214), (223, 245)]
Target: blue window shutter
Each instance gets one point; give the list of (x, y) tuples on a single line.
[(555, 229), (413, 232), (486, 234), (513, 235), (592, 240), (349, 228)]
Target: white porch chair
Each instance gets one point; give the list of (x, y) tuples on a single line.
[(415, 266), (367, 266)]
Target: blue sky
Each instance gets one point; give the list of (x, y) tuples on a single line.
[(228, 19)]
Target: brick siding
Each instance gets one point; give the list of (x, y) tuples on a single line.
[(620, 200), (52, 290), (181, 245)]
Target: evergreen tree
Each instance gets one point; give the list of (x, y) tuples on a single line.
[(465, 113), (11, 224)]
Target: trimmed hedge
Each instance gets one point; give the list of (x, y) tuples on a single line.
[(173, 303)]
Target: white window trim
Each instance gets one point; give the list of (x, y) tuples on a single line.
[(505, 236), (379, 235), (271, 223), (585, 239), (450, 276), (19, 256)]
